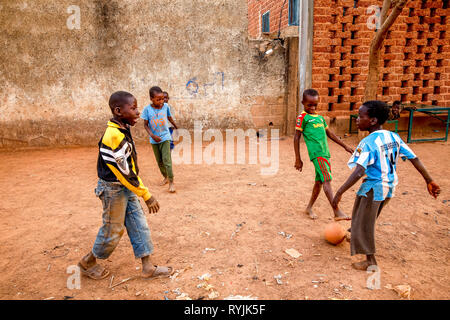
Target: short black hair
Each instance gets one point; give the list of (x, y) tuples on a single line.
[(310, 92), (377, 109), (154, 90), (118, 99), (165, 92), (396, 102)]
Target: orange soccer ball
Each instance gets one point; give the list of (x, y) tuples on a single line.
[(334, 233)]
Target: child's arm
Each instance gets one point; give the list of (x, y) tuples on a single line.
[(352, 179), (149, 131), (113, 150), (432, 186), (298, 159), (147, 128), (407, 153), (172, 122), (336, 139)]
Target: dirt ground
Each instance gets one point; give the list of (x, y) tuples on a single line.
[(227, 221)]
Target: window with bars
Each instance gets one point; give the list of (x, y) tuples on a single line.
[(293, 12)]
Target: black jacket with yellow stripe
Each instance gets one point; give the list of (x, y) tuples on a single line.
[(117, 159)]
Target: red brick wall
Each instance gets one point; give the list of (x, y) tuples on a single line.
[(414, 63), (256, 8)]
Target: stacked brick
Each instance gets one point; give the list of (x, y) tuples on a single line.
[(256, 8), (414, 65)]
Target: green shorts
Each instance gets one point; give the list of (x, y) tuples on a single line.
[(323, 169)]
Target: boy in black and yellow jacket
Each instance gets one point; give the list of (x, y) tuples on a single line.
[(119, 187)]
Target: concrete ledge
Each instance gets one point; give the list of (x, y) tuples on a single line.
[(65, 133), (68, 132)]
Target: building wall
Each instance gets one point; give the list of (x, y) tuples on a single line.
[(414, 63), (55, 82), (256, 8), (415, 59)]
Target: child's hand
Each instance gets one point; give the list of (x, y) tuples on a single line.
[(299, 165), (152, 205), (433, 189), (156, 138), (348, 149)]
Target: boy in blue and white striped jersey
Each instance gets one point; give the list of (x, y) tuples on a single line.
[(376, 157)]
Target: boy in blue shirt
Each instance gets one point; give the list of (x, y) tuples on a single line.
[(376, 157), (166, 100), (156, 122)]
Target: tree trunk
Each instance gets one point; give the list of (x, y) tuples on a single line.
[(370, 92)]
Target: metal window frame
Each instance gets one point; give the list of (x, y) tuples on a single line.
[(293, 7), (265, 14)]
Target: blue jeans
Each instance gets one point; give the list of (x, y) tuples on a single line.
[(121, 209)]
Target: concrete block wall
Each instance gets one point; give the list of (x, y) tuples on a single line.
[(415, 59), (269, 112), (55, 82)]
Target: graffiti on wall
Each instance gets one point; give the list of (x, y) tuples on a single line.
[(197, 88)]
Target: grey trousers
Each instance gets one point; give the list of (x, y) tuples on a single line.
[(364, 216)]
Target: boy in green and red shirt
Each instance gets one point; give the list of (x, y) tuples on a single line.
[(315, 131)]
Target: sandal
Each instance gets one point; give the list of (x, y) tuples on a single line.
[(160, 272), (96, 272), (362, 265)]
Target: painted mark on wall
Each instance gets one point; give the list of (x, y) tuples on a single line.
[(192, 86), (198, 89)]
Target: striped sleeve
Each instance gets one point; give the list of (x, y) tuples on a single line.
[(299, 125), (405, 151), (362, 156), (116, 151)]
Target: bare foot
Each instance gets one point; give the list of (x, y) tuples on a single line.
[(311, 214), (339, 215), (164, 182), (362, 265), (171, 187)]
